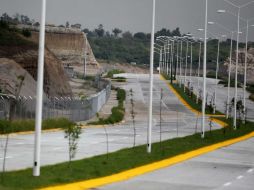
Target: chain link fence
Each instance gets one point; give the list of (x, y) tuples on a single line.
[(74, 109)]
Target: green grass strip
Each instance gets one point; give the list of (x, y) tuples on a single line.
[(29, 125), (191, 100), (121, 160)]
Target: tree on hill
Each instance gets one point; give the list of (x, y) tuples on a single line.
[(140, 36), (100, 31), (116, 32), (127, 35), (163, 32), (176, 32)]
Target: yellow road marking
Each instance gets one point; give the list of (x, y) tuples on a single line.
[(125, 175), (223, 124)]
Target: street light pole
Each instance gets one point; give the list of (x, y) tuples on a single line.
[(172, 61), (245, 71), (216, 76), (186, 64), (181, 61), (149, 136), (160, 61), (166, 57), (229, 73), (191, 62), (39, 93), (204, 74), (177, 61), (85, 60), (236, 66), (199, 60)]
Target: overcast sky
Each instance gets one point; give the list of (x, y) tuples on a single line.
[(133, 15)]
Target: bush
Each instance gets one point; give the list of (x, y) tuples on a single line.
[(27, 33), (250, 88), (112, 72), (251, 97), (232, 83), (121, 95), (211, 74), (5, 127), (120, 79)]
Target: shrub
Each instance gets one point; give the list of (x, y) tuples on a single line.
[(121, 95), (250, 88), (5, 127), (251, 97), (112, 72), (27, 33)]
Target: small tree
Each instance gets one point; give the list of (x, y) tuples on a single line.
[(5, 129), (5, 126), (72, 133), (116, 32), (161, 98), (133, 118), (240, 111)]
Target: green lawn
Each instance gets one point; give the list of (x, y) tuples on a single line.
[(99, 166), (29, 125)]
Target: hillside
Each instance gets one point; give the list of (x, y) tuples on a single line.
[(19, 49)]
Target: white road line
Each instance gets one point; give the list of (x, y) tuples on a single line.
[(227, 184), (239, 177), (8, 157), (20, 143), (250, 170), (59, 148)]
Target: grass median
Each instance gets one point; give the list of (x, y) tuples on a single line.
[(191, 98), (115, 162)]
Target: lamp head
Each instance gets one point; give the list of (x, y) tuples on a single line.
[(221, 11)]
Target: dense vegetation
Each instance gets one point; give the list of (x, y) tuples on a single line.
[(127, 47), (10, 36)]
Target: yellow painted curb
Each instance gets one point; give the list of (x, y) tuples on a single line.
[(147, 168), (212, 117)]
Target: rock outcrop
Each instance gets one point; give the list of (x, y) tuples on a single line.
[(250, 64), (55, 79)]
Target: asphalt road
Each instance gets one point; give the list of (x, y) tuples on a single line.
[(176, 121), (231, 168)]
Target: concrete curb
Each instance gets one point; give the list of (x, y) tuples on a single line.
[(125, 175)]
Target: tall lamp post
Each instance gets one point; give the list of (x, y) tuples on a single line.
[(39, 93), (150, 120), (204, 73), (237, 52)]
